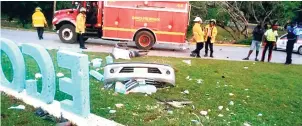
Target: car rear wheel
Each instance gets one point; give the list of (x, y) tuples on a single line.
[(300, 50), (144, 40), (67, 34)]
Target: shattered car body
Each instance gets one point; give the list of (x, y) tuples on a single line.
[(149, 73)]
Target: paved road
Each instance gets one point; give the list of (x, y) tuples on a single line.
[(52, 41)]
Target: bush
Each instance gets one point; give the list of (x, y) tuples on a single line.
[(247, 41)]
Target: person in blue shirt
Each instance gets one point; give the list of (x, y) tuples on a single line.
[(293, 33)]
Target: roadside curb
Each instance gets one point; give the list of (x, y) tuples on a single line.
[(233, 45), (22, 29)]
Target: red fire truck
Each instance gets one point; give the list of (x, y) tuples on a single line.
[(144, 22)]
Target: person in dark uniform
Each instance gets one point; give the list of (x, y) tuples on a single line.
[(292, 38)]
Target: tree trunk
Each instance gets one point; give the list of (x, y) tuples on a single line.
[(54, 7)]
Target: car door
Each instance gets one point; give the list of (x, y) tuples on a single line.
[(282, 42)]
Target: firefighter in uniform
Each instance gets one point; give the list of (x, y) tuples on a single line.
[(197, 37), (270, 37), (210, 36), (292, 38), (39, 22), (80, 27)]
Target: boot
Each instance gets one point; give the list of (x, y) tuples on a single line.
[(206, 55)]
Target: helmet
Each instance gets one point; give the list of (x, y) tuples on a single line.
[(83, 9), (198, 19), (38, 8), (213, 20)]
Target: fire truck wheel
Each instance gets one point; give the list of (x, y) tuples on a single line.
[(144, 40), (67, 34)]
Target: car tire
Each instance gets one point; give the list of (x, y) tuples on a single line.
[(144, 40), (300, 50), (67, 34)]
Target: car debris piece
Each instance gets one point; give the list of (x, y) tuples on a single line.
[(120, 88), (96, 75), (20, 107), (187, 62), (38, 75), (148, 89), (60, 74), (186, 92), (220, 115), (112, 111), (119, 105), (231, 103), (131, 84), (179, 104), (199, 81), (122, 52), (220, 107), (97, 62), (204, 113), (154, 74), (109, 59)]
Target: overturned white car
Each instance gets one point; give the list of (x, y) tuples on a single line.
[(149, 73)]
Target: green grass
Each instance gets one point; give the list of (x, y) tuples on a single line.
[(274, 90)]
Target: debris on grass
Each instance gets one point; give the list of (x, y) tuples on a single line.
[(60, 74), (231, 94), (260, 114), (204, 113), (220, 115), (246, 124), (170, 112), (188, 77), (112, 111), (120, 88), (40, 112), (225, 85), (231, 103), (187, 62), (246, 67), (227, 109), (19, 107), (198, 122), (195, 121), (96, 75), (119, 105), (247, 96), (199, 81), (246, 89), (148, 89), (254, 63), (220, 107), (97, 62), (179, 104), (38, 75), (186, 92)]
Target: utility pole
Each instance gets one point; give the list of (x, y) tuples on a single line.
[(54, 7)]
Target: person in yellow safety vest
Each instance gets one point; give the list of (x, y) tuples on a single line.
[(39, 22), (80, 27), (210, 36), (270, 37), (197, 37)]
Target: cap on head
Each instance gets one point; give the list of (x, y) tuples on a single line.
[(213, 20), (198, 19), (38, 8), (83, 9), (275, 26)]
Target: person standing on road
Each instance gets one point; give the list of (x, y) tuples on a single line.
[(292, 38), (197, 37), (270, 37), (256, 42), (210, 36), (39, 22), (80, 27)]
